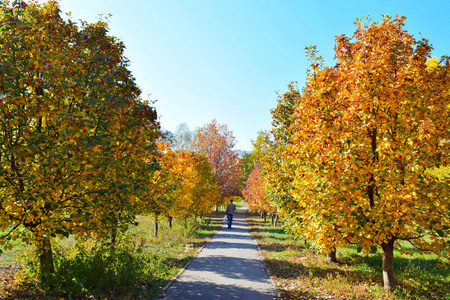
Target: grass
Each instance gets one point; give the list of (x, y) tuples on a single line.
[(137, 268), (301, 273), (238, 201)]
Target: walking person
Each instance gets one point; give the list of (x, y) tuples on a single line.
[(229, 212)]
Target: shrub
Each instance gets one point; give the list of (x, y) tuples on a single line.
[(102, 271)]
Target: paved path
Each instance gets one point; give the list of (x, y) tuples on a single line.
[(227, 268)]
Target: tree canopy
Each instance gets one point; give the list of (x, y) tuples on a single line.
[(216, 142), (365, 135), (73, 131)]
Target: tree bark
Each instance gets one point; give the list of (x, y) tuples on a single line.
[(115, 229), (273, 220), (155, 231), (388, 265), (331, 256), (170, 222), (47, 267)]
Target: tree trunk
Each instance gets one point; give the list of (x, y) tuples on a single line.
[(332, 255), (265, 216), (113, 236), (170, 222), (115, 229), (155, 232), (273, 219), (388, 265), (47, 267), (217, 207)]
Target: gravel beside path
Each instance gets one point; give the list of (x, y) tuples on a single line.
[(229, 267)]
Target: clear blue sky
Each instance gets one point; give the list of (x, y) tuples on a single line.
[(225, 59)]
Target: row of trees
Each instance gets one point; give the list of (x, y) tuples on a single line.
[(199, 170), (80, 152), (184, 186), (356, 156)]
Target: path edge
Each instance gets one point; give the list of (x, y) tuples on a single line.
[(160, 295), (265, 266)]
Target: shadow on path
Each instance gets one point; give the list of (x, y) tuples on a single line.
[(229, 267)]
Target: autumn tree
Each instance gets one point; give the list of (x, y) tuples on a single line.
[(72, 130), (216, 142), (183, 186), (198, 192), (256, 196), (162, 184), (259, 149), (135, 158), (206, 191), (278, 171), (367, 132), (254, 170)]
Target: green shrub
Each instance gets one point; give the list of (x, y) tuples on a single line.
[(103, 271)]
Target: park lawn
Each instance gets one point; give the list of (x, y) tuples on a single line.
[(239, 202), (142, 264), (301, 273)]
